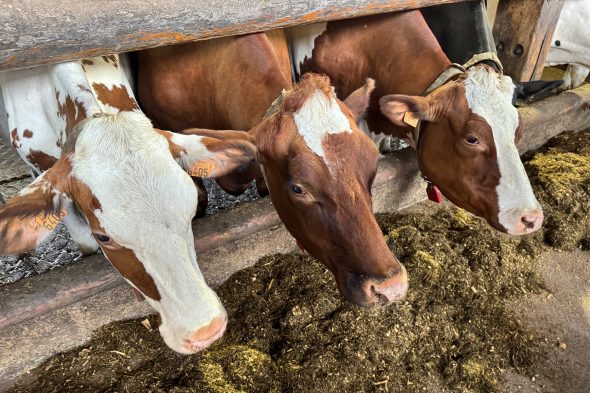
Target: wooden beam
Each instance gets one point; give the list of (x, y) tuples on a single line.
[(37, 32), (523, 30)]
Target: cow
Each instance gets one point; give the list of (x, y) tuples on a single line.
[(318, 166), (468, 128), (571, 43), (118, 184)]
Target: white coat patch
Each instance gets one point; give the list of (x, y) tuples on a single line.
[(301, 42), (490, 96), (318, 117)]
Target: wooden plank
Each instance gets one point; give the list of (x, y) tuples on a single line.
[(37, 32), (523, 30)]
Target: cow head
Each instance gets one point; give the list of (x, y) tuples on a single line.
[(319, 168), (467, 147), (138, 202)]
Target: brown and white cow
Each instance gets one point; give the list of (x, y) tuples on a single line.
[(468, 125), (318, 165), (117, 184)]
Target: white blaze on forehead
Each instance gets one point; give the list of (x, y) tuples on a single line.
[(301, 41), (147, 204), (318, 117), (489, 95)]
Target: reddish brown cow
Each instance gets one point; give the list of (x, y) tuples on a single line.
[(319, 168), (468, 128)]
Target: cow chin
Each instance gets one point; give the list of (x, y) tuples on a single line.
[(366, 291)]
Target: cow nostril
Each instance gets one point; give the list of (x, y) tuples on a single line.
[(529, 222), (380, 299)]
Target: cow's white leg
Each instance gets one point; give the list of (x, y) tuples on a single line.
[(79, 230)]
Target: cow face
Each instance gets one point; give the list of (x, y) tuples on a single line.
[(138, 203), (319, 168), (468, 148)]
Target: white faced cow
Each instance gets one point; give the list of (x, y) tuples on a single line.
[(117, 184)]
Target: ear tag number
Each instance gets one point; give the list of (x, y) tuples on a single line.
[(201, 169), (433, 193), (49, 221)]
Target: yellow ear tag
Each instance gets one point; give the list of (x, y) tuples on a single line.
[(49, 221), (201, 169), (410, 119)]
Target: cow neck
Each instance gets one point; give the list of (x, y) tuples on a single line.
[(489, 58)]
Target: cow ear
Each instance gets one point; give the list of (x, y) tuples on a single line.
[(28, 218), (395, 107), (358, 101), (209, 153)]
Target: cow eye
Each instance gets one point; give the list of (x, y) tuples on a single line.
[(472, 140), (296, 189), (102, 238)]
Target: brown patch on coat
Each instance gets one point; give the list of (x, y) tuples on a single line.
[(15, 139), (41, 160), (127, 263), (27, 134), (71, 111), (87, 62), (111, 59), (123, 259), (117, 97)]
